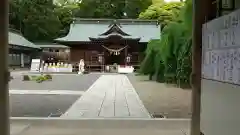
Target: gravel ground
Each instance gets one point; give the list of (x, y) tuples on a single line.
[(40, 105), (59, 82), (161, 99)]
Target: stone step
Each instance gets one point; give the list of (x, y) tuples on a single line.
[(58, 126)]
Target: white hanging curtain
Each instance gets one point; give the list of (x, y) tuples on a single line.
[(114, 51)]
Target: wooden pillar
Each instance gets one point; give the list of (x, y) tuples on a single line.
[(201, 9), (22, 60), (4, 73), (126, 53)]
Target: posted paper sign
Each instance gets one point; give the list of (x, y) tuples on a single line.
[(221, 49)]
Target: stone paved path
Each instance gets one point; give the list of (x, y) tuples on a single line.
[(111, 96)]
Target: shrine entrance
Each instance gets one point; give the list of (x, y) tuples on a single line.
[(113, 59), (114, 55), (117, 46)]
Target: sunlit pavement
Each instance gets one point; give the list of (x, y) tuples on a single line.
[(111, 96), (109, 106)]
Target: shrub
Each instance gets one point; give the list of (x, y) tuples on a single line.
[(40, 79), (48, 77), (26, 78)]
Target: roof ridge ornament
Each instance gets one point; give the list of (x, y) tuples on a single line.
[(114, 22), (115, 27)]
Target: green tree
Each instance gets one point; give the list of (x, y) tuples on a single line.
[(65, 11), (172, 59), (112, 8), (40, 20), (164, 12), (35, 18)]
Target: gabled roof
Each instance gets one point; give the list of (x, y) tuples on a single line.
[(83, 29), (15, 38), (50, 45), (114, 35), (114, 28), (114, 32)]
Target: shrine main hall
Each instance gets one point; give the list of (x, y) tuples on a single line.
[(110, 41)]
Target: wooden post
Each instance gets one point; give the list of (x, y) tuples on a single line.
[(200, 13), (126, 53), (4, 73)]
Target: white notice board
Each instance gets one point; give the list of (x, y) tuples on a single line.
[(221, 49), (35, 65)]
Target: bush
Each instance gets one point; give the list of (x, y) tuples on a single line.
[(48, 77), (26, 78), (40, 79)]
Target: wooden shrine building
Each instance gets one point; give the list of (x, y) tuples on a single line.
[(59, 53), (21, 51), (108, 41)]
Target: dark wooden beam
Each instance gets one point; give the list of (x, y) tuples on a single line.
[(4, 74), (201, 11)]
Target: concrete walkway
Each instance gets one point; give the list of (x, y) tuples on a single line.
[(111, 96), (99, 127)]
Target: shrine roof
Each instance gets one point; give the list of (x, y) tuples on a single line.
[(83, 29), (105, 37), (50, 45), (16, 38)]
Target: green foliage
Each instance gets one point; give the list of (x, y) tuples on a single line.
[(172, 57), (48, 77), (40, 20), (147, 66), (40, 79), (159, 72), (37, 78), (112, 8), (35, 19), (65, 13), (164, 12), (152, 45)]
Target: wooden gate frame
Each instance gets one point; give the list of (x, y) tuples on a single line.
[(4, 73), (200, 13)]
